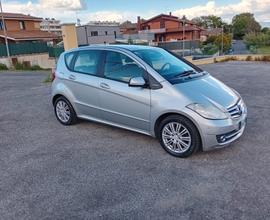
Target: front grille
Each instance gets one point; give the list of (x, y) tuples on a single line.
[(236, 110)]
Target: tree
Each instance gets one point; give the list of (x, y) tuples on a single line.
[(266, 30), (243, 24), (227, 42), (257, 40), (210, 21), (215, 42)]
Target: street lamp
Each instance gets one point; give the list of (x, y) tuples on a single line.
[(183, 19), (5, 32)]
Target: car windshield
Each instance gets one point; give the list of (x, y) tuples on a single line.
[(166, 64)]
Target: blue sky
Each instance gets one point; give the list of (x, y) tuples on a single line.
[(141, 5), (146, 5), (121, 10)]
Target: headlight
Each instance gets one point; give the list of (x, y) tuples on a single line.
[(209, 112)]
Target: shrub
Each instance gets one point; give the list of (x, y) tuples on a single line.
[(24, 66), (214, 43), (226, 59), (254, 40), (257, 59), (249, 58), (3, 66), (19, 66), (263, 58), (209, 49), (266, 58), (36, 67)]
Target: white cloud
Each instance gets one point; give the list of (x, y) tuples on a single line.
[(66, 10), (106, 16), (260, 8), (60, 9), (63, 4)]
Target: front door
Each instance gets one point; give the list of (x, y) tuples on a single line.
[(121, 104)]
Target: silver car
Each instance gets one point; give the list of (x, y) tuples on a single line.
[(151, 91)]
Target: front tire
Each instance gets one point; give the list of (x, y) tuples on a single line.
[(64, 111), (178, 136)]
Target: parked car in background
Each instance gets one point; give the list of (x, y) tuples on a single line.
[(151, 91)]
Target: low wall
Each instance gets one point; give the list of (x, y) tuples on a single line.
[(43, 60), (178, 45), (242, 57)]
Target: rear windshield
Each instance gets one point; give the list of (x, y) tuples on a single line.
[(68, 59)]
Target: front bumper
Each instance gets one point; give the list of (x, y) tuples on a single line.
[(221, 133)]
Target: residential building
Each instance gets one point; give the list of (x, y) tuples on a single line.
[(97, 33), (51, 25), (210, 32), (128, 27), (21, 28), (169, 28)]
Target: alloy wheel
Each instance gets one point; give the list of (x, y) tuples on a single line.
[(176, 137), (63, 111)]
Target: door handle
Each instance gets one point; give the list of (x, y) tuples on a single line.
[(104, 86), (72, 77)]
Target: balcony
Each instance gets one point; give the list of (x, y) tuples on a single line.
[(154, 31)]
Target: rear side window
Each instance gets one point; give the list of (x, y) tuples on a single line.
[(87, 62), (68, 59)]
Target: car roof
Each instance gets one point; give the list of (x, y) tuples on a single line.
[(114, 46)]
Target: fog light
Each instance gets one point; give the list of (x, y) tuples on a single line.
[(223, 138)]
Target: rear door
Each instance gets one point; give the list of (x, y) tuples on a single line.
[(84, 80), (121, 104)]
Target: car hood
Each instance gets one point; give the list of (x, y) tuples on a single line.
[(208, 89)]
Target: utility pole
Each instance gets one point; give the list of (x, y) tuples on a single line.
[(5, 33), (222, 43)]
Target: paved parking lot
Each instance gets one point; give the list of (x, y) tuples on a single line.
[(94, 171)]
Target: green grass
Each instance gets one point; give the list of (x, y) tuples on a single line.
[(263, 50), (48, 79), (3, 66)]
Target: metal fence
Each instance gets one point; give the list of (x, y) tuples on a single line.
[(55, 51), (180, 45), (30, 48)]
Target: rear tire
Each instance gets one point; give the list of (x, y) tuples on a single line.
[(64, 111), (178, 136)]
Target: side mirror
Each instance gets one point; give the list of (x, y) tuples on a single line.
[(137, 82)]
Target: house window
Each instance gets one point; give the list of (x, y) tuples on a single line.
[(106, 32), (94, 33), (162, 24), (37, 25), (1, 25), (114, 34), (22, 25)]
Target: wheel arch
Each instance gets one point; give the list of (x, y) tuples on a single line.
[(165, 115), (57, 95)]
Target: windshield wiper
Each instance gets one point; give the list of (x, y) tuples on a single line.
[(185, 73)]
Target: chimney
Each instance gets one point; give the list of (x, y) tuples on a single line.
[(138, 23), (170, 13)]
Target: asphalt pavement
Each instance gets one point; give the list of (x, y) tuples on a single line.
[(94, 171)]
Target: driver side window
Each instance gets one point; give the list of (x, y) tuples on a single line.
[(120, 67)]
